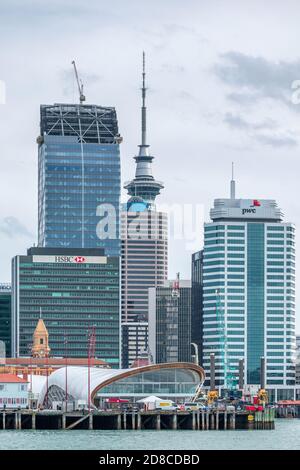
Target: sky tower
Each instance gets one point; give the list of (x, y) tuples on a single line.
[(143, 187), (144, 233)]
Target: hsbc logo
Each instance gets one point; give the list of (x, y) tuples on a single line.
[(69, 259)]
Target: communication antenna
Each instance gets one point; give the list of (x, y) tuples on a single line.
[(79, 84)]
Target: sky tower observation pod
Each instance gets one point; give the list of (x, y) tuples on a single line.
[(177, 380)]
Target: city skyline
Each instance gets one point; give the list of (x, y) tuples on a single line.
[(223, 103)]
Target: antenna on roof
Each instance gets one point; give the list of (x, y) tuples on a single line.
[(232, 183), (79, 84)]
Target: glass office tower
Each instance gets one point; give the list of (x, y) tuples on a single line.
[(74, 290), (197, 302), (249, 284), (170, 322), (5, 318), (79, 177)]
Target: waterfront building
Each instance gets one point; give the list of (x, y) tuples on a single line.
[(74, 291), (249, 294), (144, 234), (5, 320), (13, 391), (298, 360), (135, 337), (43, 366), (170, 322), (197, 304), (176, 381), (79, 177)]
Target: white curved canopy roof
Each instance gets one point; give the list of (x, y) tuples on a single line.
[(77, 377)]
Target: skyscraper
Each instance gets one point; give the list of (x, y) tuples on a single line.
[(144, 240), (74, 290), (5, 318), (79, 177), (170, 322), (249, 290), (197, 303)]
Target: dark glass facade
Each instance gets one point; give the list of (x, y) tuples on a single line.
[(170, 324), (73, 290), (197, 302), (5, 317), (255, 300), (79, 178)]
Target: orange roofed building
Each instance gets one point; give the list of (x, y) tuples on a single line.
[(41, 363)]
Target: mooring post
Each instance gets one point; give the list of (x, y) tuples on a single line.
[(198, 420), (158, 422), (212, 420), (207, 420), (194, 421), (174, 421), (3, 420), (119, 421), (217, 419), (33, 421), (139, 421), (133, 420), (16, 421), (202, 420), (233, 420), (124, 420), (225, 419), (20, 420), (91, 421), (63, 421)]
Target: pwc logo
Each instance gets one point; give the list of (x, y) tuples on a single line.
[(252, 208), (79, 259)]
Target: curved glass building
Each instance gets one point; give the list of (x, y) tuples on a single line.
[(178, 380)]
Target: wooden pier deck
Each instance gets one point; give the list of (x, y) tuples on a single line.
[(159, 420)]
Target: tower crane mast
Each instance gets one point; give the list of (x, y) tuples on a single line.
[(79, 84)]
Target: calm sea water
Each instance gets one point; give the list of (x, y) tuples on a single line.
[(285, 436)]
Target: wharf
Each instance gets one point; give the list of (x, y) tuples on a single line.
[(118, 420)]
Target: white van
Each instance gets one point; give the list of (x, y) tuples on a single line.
[(167, 405)]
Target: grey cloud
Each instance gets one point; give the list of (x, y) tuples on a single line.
[(277, 140), (12, 227), (257, 131), (256, 78), (237, 121)]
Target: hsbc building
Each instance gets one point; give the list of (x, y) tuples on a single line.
[(249, 295), (73, 290)]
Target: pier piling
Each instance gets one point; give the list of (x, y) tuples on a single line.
[(158, 422)]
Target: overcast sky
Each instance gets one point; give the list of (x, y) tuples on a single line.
[(219, 76)]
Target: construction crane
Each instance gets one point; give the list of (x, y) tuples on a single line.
[(79, 84)]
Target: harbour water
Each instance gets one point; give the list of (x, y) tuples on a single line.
[(285, 436)]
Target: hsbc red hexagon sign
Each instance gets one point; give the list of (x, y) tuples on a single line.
[(79, 259)]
